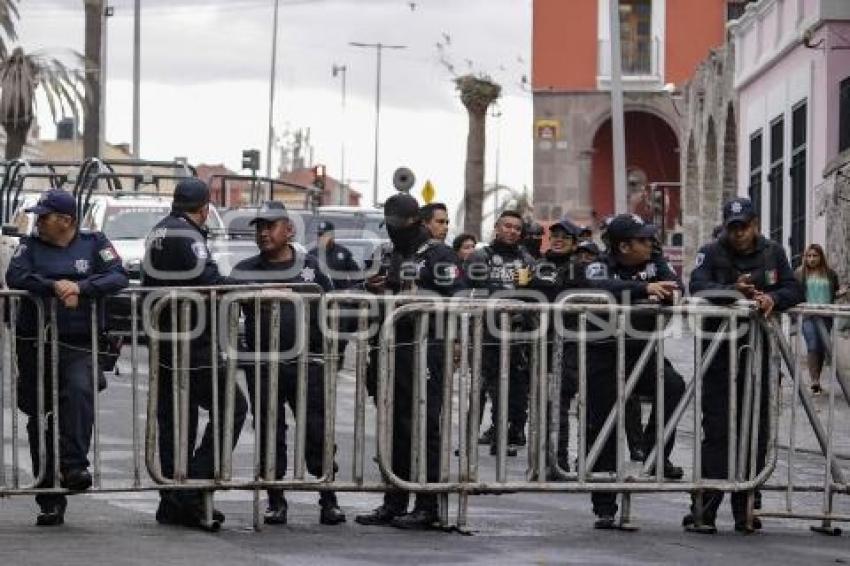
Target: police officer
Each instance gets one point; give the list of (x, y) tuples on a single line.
[(555, 272), (74, 268), (335, 259), (279, 262), (587, 252), (417, 263), (629, 273), (740, 263), (585, 234), (176, 255), (435, 217), (504, 265), (532, 238)]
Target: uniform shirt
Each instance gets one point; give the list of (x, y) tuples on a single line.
[(339, 261), (718, 267), (89, 260), (177, 255), (303, 268), (629, 283), (433, 266), (494, 267)]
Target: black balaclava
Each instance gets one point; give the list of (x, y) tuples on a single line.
[(404, 234)]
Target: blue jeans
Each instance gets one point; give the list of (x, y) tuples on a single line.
[(814, 340)]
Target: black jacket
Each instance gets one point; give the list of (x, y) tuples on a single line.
[(493, 267)]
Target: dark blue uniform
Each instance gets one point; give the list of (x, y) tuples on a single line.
[(176, 255), (339, 264), (303, 269), (430, 266), (625, 283), (493, 269), (718, 267), (92, 263)]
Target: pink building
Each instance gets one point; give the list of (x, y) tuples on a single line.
[(792, 76)]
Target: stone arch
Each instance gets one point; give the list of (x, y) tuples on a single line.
[(730, 155), (711, 186)]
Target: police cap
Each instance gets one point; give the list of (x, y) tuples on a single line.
[(399, 209), (190, 194), (270, 211), (55, 200), (324, 227), (565, 225), (627, 226), (738, 210)]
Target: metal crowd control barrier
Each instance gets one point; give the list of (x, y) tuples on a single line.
[(827, 450), (461, 322)]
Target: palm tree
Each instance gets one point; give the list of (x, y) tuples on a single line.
[(8, 15), (22, 75), (476, 94)]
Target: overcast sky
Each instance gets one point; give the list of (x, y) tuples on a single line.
[(205, 80)]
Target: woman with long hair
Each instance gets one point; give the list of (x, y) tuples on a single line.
[(821, 285)]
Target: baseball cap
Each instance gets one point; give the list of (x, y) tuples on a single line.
[(55, 200), (627, 226), (399, 209), (738, 210), (190, 193), (589, 247), (565, 225), (270, 211), (324, 227), (585, 229)]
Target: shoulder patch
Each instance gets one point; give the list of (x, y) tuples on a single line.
[(20, 250), (200, 250), (596, 271), (700, 259), (108, 254)]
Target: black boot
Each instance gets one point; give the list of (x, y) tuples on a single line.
[(330, 513), (516, 435), (52, 514), (421, 518), (276, 511), (383, 515)]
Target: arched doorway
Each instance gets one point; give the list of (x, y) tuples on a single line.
[(652, 149)]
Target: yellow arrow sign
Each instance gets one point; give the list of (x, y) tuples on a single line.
[(428, 192)]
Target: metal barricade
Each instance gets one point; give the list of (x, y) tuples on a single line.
[(825, 452)]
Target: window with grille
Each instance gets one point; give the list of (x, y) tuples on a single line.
[(844, 115), (799, 122), (777, 165), (755, 170), (636, 36)]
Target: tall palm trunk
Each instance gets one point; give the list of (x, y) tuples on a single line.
[(16, 138), (91, 124), (476, 94)]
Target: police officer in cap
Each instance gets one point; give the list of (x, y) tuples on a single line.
[(279, 262), (418, 263), (504, 266), (587, 252), (629, 273), (76, 269), (739, 264), (176, 255), (555, 272), (335, 259)]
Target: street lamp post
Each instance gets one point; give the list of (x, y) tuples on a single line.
[(272, 74), (617, 117), (378, 47), (341, 71), (137, 74)]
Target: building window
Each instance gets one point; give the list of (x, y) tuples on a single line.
[(636, 36), (844, 115), (777, 166), (735, 9), (799, 121), (755, 170)]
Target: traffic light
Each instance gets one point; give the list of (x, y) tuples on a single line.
[(319, 177), (251, 159)]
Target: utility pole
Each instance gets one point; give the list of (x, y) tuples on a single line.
[(272, 79), (341, 70), (618, 127), (497, 114), (94, 77), (137, 76), (378, 47)]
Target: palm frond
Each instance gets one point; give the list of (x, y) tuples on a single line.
[(9, 16)]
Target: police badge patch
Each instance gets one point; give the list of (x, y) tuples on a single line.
[(82, 266), (699, 259), (596, 271), (108, 254), (308, 274), (200, 250)]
